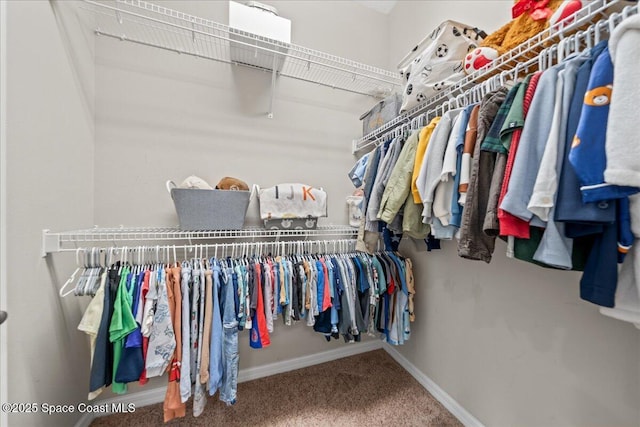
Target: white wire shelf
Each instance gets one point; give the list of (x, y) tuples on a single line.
[(525, 53), (71, 240), (148, 24)]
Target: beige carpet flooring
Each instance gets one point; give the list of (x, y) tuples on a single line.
[(362, 390)]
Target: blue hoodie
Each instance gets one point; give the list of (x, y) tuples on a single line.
[(587, 155)]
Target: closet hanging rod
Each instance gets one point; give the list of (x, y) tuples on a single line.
[(151, 25), (521, 54), (237, 248), (69, 240), (90, 261)]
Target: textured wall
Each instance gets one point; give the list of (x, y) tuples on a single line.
[(511, 342), (50, 139), (163, 116)]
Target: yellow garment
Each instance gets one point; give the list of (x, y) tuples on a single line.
[(423, 142)]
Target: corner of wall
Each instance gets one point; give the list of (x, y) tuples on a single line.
[(79, 42), (3, 206), (49, 180)]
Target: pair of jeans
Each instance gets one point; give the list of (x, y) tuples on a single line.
[(230, 357)]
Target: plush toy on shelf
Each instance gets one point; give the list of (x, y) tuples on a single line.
[(529, 18)]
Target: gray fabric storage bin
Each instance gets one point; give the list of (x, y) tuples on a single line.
[(210, 209), (381, 113)]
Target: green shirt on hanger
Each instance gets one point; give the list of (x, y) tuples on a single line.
[(122, 324), (515, 117)]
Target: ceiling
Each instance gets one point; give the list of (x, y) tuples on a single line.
[(383, 6)]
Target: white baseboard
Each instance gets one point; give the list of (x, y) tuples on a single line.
[(156, 395), (442, 396), (304, 361)]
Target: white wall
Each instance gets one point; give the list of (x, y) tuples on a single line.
[(163, 116), (512, 342), (49, 185)]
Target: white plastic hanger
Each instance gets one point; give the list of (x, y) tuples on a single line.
[(542, 60), (93, 273), (577, 44), (613, 22), (71, 279)]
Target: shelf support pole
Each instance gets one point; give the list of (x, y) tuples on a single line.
[(274, 74)]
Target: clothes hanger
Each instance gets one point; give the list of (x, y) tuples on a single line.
[(445, 107), (573, 45), (474, 94), (93, 282), (123, 259), (204, 252), (149, 258), (577, 45), (496, 82), (554, 53), (84, 277), (92, 273), (561, 50), (143, 258), (613, 22), (86, 262), (297, 251), (587, 38), (99, 267), (502, 79), (128, 252), (453, 105), (108, 256), (487, 86), (598, 30), (245, 258), (542, 60), (590, 37), (478, 89), (69, 281), (139, 260)]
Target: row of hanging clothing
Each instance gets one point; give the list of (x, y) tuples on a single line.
[(184, 318), (548, 163)]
